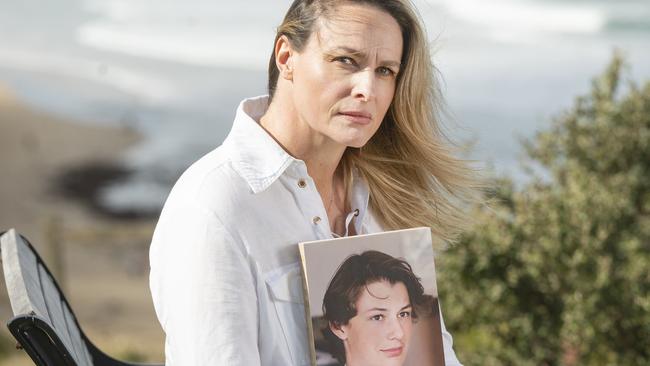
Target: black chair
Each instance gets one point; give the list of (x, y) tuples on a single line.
[(44, 324)]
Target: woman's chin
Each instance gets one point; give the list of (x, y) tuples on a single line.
[(355, 142)]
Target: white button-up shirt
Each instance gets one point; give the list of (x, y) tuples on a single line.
[(225, 275)]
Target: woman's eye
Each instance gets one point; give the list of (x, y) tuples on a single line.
[(377, 317), (405, 314), (385, 71), (345, 60)]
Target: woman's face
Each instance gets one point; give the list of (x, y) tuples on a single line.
[(345, 77), (380, 332)]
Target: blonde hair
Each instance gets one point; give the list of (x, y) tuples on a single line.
[(413, 175)]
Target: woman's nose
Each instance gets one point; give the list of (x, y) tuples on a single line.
[(364, 85)]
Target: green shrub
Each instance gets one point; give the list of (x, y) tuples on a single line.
[(557, 272)]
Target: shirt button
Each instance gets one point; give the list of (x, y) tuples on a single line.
[(315, 220), (302, 183), (356, 212)]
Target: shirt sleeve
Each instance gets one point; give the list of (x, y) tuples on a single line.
[(203, 290), (447, 345)]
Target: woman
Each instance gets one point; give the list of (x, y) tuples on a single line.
[(370, 306), (346, 142)]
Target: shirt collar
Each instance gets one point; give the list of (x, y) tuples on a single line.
[(256, 156), (260, 160)]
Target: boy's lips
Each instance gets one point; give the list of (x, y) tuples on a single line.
[(393, 352)]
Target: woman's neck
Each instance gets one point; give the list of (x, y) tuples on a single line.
[(321, 155)]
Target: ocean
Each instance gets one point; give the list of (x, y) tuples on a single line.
[(175, 71)]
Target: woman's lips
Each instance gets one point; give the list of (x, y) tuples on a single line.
[(357, 117), (393, 352)]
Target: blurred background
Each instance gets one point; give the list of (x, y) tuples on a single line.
[(103, 103)]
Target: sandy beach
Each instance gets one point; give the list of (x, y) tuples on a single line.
[(103, 260)]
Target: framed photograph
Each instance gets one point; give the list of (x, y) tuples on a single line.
[(373, 300)]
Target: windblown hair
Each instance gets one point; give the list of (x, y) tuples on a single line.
[(413, 175), (352, 277)]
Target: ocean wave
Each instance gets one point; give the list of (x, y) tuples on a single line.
[(528, 17), (216, 48), (198, 32), (189, 11), (149, 88)]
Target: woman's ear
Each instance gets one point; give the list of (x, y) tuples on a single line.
[(284, 57), (340, 331)]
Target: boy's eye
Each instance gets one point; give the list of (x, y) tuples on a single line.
[(405, 314)]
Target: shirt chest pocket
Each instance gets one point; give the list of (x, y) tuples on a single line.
[(285, 288)]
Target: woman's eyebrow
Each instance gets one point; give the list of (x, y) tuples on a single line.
[(392, 63), (348, 50), (360, 54)]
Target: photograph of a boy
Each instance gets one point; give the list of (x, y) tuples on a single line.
[(370, 307)]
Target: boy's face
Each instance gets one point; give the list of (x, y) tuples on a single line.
[(380, 332)]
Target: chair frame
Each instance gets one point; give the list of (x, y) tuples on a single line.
[(40, 340)]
